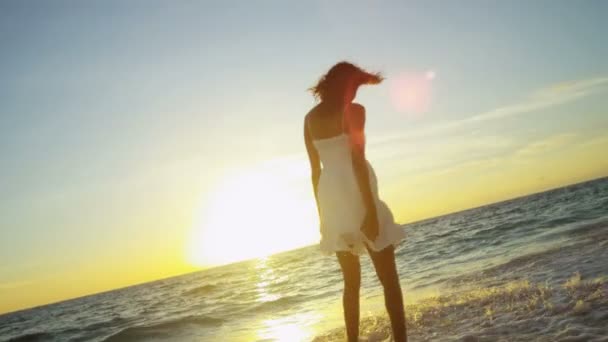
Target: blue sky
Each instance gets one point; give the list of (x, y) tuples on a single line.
[(116, 118)]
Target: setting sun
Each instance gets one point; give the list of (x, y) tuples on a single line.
[(254, 213)]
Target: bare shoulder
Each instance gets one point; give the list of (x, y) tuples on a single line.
[(311, 113), (357, 115), (357, 107)]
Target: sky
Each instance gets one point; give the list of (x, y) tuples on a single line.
[(145, 139)]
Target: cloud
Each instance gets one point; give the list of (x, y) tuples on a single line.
[(553, 95), (440, 158), (484, 162), (545, 145), (435, 153), (580, 87), (550, 96), (595, 141)]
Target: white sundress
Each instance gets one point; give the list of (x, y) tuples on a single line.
[(341, 205)]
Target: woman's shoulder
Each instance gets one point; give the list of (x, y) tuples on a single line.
[(314, 112), (357, 108), (355, 111), (356, 115)]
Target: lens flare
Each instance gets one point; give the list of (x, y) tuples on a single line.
[(411, 93)]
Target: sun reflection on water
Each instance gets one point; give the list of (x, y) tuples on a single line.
[(292, 328), (266, 276), (287, 327)]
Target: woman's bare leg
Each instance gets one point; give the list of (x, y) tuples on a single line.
[(351, 271), (384, 262)]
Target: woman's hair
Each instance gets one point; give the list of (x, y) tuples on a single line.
[(343, 77)]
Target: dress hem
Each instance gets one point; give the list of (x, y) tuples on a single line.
[(361, 246)]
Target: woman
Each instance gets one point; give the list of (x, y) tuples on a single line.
[(352, 217)]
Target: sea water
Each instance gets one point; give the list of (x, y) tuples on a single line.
[(528, 269)]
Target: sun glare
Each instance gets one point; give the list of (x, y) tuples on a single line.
[(254, 213)]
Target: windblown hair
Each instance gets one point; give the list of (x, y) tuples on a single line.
[(333, 87)]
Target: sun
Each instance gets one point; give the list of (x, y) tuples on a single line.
[(253, 213)]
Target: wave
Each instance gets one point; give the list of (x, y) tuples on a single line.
[(563, 220), (593, 228), (201, 290), (104, 324), (600, 226), (517, 311), (501, 228), (163, 329), (556, 258), (33, 337), (280, 303)]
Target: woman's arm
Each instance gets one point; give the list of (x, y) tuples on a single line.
[(315, 164), (355, 117)]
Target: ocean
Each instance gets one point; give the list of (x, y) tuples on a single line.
[(529, 269)]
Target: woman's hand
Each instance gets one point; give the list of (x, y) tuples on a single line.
[(370, 225)]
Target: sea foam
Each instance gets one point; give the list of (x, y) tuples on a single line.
[(518, 311)]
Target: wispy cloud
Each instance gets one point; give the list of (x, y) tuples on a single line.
[(550, 96), (553, 95), (531, 151), (437, 154), (595, 141), (548, 144)]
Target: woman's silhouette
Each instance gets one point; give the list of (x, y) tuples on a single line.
[(352, 217)]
